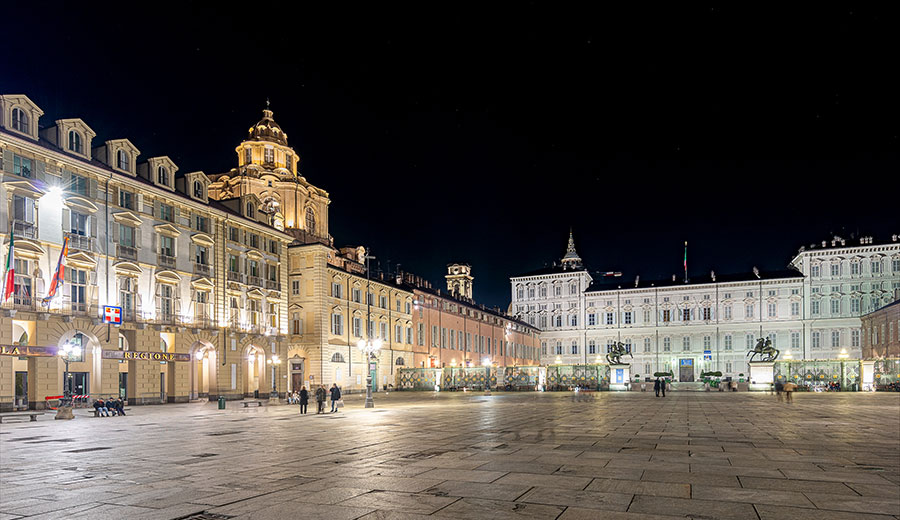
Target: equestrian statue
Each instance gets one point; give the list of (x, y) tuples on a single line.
[(764, 349), (616, 352)]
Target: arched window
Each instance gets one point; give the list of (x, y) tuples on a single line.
[(310, 221), (198, 189), (248, 155), (162, 175), (122, 161), (337, 358), (251, 211), (74, 141), (20, 120), (400, 361), (269, 155)]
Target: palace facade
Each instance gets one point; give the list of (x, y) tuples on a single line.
[(810, 311)]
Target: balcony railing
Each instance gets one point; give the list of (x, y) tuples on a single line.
[(254, 280), (126, 252), (203, 269), (24, 229), (273, 285), (203, 322), (80, 242), (165, 261), (234, 276)]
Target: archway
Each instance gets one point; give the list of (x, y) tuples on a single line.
[(203, 369), (254, 371), (85, 369)]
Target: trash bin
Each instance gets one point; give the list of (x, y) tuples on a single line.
[(256, 394), (221, 403)]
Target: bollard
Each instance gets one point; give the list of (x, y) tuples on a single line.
[(221, 403)]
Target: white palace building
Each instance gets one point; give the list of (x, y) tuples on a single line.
[(810, 311)]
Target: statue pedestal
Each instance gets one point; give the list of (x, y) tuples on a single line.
[(762, 375), (619, 377)]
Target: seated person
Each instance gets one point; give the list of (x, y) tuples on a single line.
[(101, 408)]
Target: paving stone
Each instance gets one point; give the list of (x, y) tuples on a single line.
[(462, 474), (418, 503), (555, 480), (465, 489), (768, 512), (580, 513), (586, 499), (691, 507), (752, 496), (640, 487), (496, 509), (781, 484), (888, 506), (873, 490)]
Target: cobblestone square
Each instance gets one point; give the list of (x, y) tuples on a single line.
[(467, 455)]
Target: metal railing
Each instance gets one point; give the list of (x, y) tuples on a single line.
[(234, 276), (126, 252), (24, 229), (254, 280), (165, 260), (204, 269), (273, 285), (80, 242)]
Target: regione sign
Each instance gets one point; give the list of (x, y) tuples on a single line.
[(145, 356), (112, 315)]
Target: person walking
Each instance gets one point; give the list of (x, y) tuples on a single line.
[(656, 386), (304, 399), (320, 399), (335, 397), (789, 392), (662, 387), (779, 388)]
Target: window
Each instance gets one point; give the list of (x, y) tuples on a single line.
[(126, 296), (296, 324), (707, 341), (337, 324), (667, 344), (234, 234), (627, 317), (795, 340), (854, 268), (727, 310), (356, 294), (20, 121), (609, 318), (123, 161), (201, 223), (749, 294), (269, 155), (748, 311), (707, 313), (126, 199), (646, 344), (773, 337), (835, 269), (686, 315), (198, 189), (573, 320), (772, 308), (166, 245), (686, 343), (646, 315), (592, 347), (666, 316), (162, 175), (835, 306), (310, 221), (408, 307), (165, 308), (78, 223), (895, 265), (573, 288), (816, 340), (557, 290), (814, 307), (520, 292), (592, 319), (559, 348), (382, 301), (728, 366), (21, 166), (166, 213), (126, 236), (574, 348), (409, 339), (816, 271), (795, 308), (79, 185), (398, 333), (251, 211), (75, 142), (201, 255), (750, 341), (876, 266), (253, 269), (77, 284), (835, 339), (854, 337), (728, 342), (337, 358)]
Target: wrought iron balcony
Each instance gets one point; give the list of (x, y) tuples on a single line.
[(165, 261), (203, 269), (24, 229), (80, 242), (254, 280), (234, 276), (273, 285), (126, 252)]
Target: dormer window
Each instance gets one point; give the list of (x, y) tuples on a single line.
[(75, 142), (162, 176), (251, 211), (122, 161), (198, 190), (20, 120)]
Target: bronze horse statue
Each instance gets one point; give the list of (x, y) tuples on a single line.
[(617, 351), (764, 349)]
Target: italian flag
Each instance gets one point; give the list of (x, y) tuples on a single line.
[(10, 270)]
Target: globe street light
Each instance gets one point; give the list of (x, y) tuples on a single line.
[(68, 351), (370, 348), (274, 361)]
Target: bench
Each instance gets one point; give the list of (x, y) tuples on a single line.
[(257, 403), (32, 415), (96, 412)]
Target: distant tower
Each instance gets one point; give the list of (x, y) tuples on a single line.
[(571, 260), (459, 280)]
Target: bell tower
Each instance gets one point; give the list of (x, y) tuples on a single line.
[(459, 280)]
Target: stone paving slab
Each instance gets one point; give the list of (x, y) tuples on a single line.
[(622, 456)]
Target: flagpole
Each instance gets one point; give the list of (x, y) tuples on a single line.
[(685, 261)]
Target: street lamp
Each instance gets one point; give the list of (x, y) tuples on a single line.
[(274, 361), (370, 348), (68, 351)]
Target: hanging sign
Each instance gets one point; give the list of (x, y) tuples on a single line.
[(112, 315)]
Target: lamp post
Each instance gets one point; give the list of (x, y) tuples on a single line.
[(66, 352), (486, 362), (370, 348), (274, 361)]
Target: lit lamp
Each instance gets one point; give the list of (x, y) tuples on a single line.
[(843, 354), (370, 348), (67, 352), (274, 361), (788, 355)]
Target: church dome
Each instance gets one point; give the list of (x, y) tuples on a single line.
[(267, 130)]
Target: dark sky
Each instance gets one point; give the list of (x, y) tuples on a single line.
[(481, 134)]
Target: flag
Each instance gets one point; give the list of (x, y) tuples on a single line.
[(59, 275), (10, 270), (685, 261)]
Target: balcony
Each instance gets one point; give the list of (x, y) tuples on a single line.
[(234, 276), (203, 321), (202, 269), (166, 261), (24, 229), (273, 285), (80, 242), (254, 280), (126, 252)]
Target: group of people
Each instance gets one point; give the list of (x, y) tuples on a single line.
[(659, 386), (302, 398), (787, 389), (114, 406)]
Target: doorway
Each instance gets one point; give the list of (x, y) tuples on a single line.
[(79, 382), (686, 370), (162, 387), (21, 402), (123, 385), (296, 375)]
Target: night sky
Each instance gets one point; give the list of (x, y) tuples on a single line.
[(482, 134)]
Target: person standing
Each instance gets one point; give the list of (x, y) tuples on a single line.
[(656, 386), (335, 397), (662, 387), (304, 400), (779, 387), (320, 399)]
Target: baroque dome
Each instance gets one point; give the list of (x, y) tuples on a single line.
[(267, 130)]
